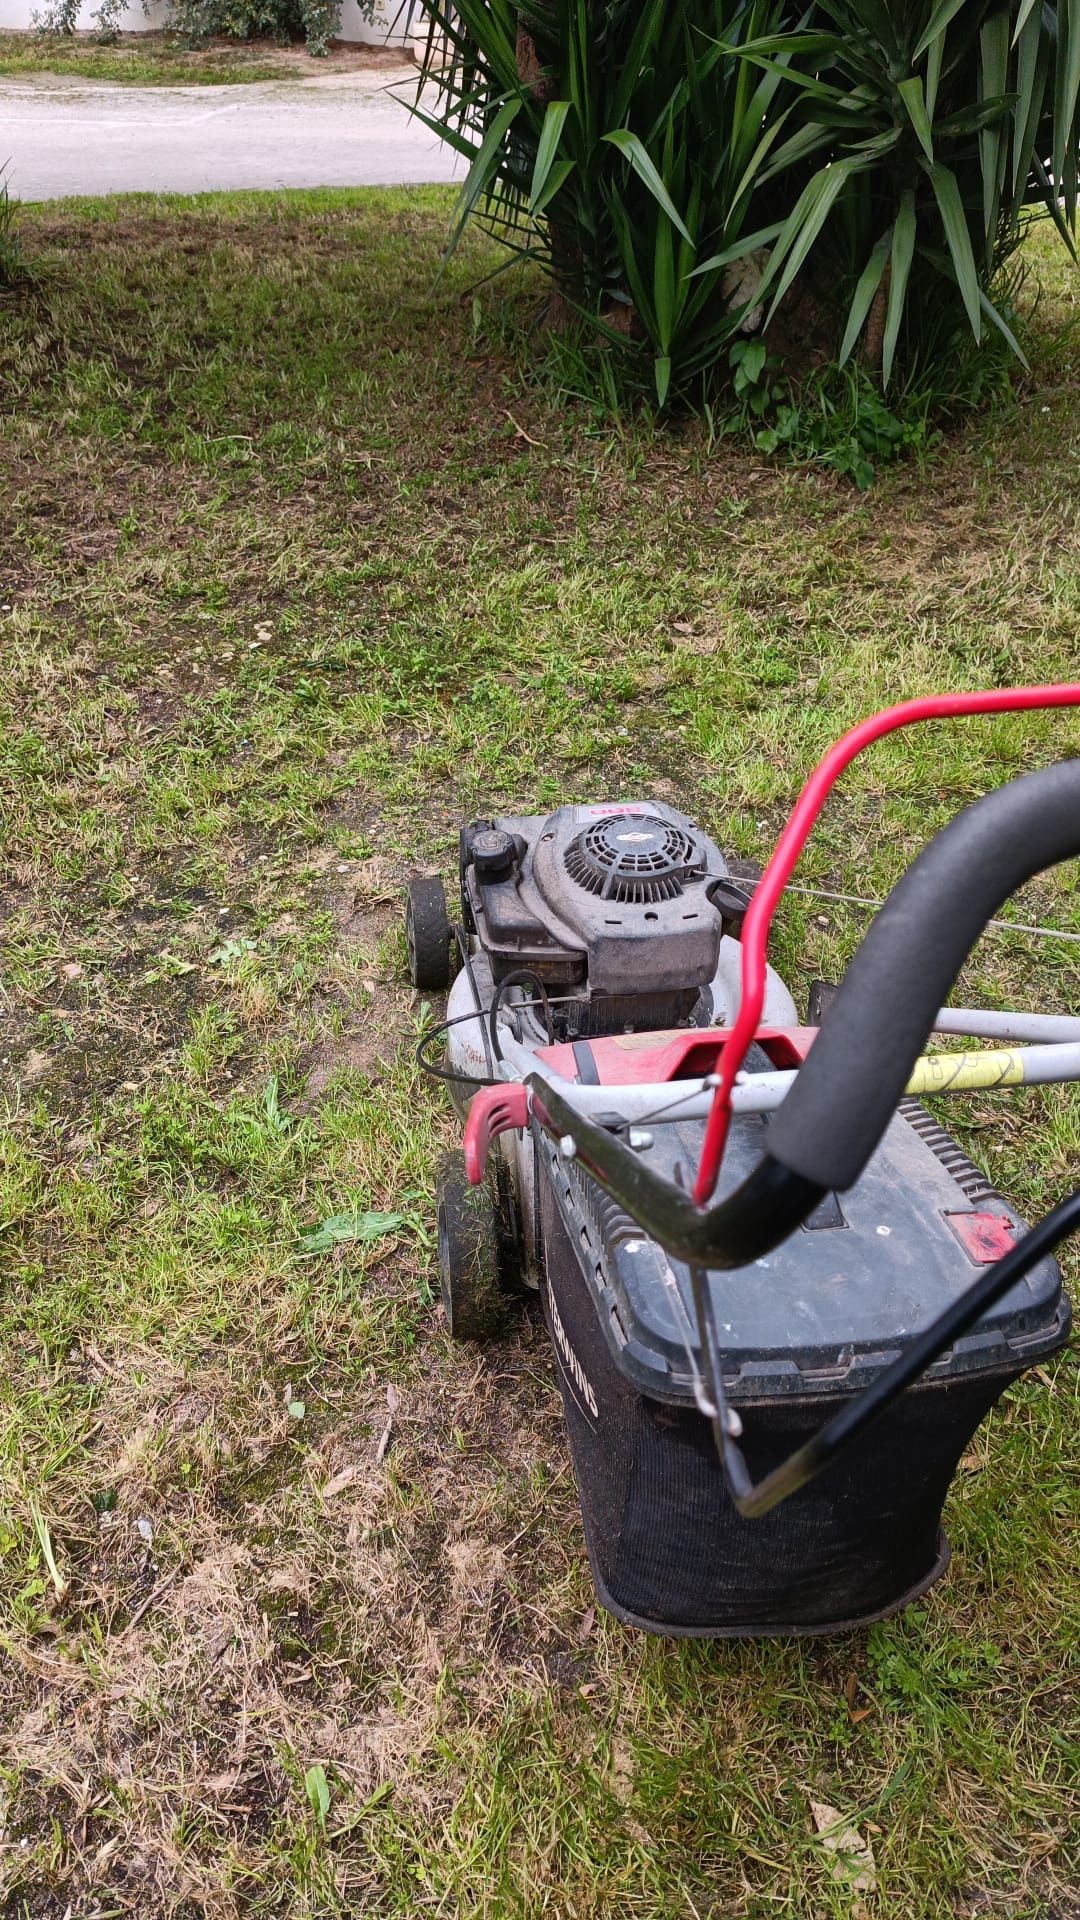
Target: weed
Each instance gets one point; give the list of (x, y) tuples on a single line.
[(12, 261), (838, 418)]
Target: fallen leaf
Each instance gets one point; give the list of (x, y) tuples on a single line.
[(340, 1227), (221, 1782), (588, 1622), (71, 970), (852, 1856), (339, 1482)]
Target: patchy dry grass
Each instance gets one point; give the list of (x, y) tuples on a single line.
[(295, 570), (163, 60)]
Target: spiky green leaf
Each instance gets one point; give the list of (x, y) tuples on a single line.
[(547, 147), (945, 11), (483, 169), (629, 145), (869, 281), (958, 239), (911, 93), (1066, 91), (802, 229), (900, 257)]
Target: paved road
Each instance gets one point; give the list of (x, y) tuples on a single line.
[(63, 136)]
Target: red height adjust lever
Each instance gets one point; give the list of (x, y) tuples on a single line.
[(755, 933), (503, 1108)]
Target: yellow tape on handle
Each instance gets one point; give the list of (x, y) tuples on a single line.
[(966, 1072)]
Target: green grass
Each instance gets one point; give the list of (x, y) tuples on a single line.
[(297, 569), (151, 60)]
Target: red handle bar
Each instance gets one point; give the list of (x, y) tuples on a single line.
[(755, 933)]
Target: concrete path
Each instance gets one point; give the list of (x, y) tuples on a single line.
[(67, 136)]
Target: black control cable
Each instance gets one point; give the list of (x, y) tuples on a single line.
[(520, 977), (442, 1027)]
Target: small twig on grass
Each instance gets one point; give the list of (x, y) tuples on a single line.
[(151, 1599), (520, 429), (393, 1401)]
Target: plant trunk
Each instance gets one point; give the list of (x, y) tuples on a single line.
[(530, 67), (875, 324)]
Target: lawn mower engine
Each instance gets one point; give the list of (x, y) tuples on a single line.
[(616, 912), (601, 945)]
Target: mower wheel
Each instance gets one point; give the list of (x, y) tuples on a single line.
[(427, 933), (469, 1254), (822, 995)]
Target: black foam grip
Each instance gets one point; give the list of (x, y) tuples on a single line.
[(848, 1088)]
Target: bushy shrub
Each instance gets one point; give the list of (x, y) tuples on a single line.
[(61, 17), (315, 22), (847, 175)]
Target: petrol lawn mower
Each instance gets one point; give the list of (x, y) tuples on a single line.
[(781, 1298)]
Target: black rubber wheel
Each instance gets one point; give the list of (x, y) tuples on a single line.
[(470, 1254), (427, 933), (822, 995)]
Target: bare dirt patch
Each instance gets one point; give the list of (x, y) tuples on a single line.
[(310, 1625)]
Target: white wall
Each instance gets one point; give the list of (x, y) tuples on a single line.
[(16, 13), (390, 27), (387, 28)]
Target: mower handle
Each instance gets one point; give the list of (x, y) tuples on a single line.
[(848, 1088), (850, 1084), (785, 854)]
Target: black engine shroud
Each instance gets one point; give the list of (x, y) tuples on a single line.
[(619, 909)]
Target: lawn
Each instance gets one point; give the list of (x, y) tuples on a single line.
[(162, 59), (297, 570)]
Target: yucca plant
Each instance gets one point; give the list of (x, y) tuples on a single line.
[(687, 169)]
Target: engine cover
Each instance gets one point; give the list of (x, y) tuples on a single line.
[(612, 902)]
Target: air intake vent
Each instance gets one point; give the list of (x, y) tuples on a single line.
[(633, 858)]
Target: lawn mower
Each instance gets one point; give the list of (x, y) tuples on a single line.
[(781, 1298)]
